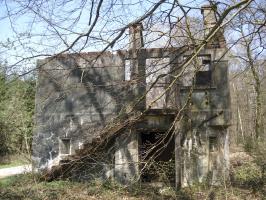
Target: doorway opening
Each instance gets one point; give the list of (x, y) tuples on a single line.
[(157, 157)]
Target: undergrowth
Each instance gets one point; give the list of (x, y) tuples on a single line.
[(28, 187)]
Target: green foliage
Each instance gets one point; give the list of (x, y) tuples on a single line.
[(16, 115), (249, 144), (8, 181), (248, 175), (251, 172), (15, 160), (260, 154)]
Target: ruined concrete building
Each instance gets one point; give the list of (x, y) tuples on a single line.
[(80, 94)]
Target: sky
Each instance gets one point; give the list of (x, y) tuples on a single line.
[(33, 28)]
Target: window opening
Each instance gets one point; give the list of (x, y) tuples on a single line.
[(203, 75), (127, 70), (213, 142), (203, 78), (198, 69), (156, 67), (65, 146)]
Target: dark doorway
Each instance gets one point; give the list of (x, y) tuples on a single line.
[(157, 157)]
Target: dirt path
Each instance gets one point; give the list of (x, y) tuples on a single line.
[(14, 170)]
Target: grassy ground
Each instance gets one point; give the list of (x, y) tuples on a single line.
[(28, 187), (13, 161)]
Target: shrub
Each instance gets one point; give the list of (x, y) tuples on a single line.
[(247, 175)]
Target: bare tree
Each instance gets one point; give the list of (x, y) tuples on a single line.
[(250, 50), (57, 27)]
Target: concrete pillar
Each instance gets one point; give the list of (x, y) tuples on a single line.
[(210, 20), (209, 17), (136, 37), (219, 159), (178, 156), (136, 43), (127, 157), (138, 63), (173, 101), (173, 95)]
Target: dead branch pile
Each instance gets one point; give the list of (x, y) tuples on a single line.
[(93, 152)]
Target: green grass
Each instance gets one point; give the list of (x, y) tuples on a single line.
[(15, 160), (13, 164), (9, 181)]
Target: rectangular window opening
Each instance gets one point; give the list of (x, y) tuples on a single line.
[(203, 78), (198, 69), (65, 146), (127, 70), (157, 67), (213, 142)]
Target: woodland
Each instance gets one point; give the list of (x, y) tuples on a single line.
[(32, 30)]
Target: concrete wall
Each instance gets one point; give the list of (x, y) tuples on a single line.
[(204, 132), (127, 157), (75, 97), (78, 95)]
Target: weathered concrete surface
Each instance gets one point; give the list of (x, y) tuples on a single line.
[(78, 94), (74, 100), (205, 127), (127, 157), (11, 171)]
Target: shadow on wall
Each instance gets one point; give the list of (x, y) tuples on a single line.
[(75, 100)]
